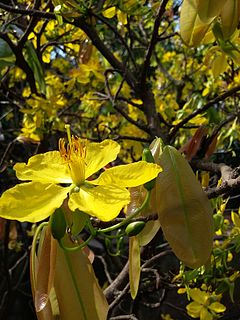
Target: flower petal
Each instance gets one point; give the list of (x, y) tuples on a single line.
[(45, 167), (103, 202), (199, 296), (99, 155), (129, 175), (205, 314), (194, 309), (31, 201), (217, 307)]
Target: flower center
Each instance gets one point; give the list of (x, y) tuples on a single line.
[(74, 154)]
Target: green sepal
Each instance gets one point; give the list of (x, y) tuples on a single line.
[(148, 157), (58, 224)]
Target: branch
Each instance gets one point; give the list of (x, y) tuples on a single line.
[(129, 119), (117, 34), (202, 109), (121, 282), (104, 50), (33, 22), (118, 284), (224, 189), (116, 107), (33, 13), (153, 42), (230, 177)]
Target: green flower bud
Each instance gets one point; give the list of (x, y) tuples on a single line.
[(134, 228), (58, 224)]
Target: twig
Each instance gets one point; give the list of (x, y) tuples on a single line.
[(227, 187), (28, 12), (118, 35), (103, 49), (118, 284), (221, 97), (119, 297), (155, 258), (126, 317), (153, 42)]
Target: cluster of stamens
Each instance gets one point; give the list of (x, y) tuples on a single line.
[(74, 154)]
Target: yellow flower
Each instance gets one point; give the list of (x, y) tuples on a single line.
[(204, 305), (57, 175)]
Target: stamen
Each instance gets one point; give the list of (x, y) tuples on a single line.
[(68, 129), (74, 154)]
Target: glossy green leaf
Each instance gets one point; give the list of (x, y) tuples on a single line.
[(35, 65), (184, 210), (134, 266), (192, 28), (7, 58), (230, 15), (209, 9), (78, 293)]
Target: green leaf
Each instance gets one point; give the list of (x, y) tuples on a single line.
[(78, 293), (230, 15), (35, 65), (79, 220), (192, 29), (209, 9), (134, 266), (7, 58), (219, 64), (184, 210)]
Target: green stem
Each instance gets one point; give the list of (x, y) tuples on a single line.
[(129, 218), (115, 236), (90, 227), (76, 248), (33, 251)]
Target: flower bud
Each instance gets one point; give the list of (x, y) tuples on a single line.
[(58, 224), (134, 228)]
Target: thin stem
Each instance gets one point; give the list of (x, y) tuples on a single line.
[(76, 248)]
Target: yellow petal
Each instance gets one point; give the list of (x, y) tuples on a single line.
[(205, 314), (198, 295), (45, 167), (109, 13), (194, 309), (99, 155), (129, 175), (31, 201), (217, 307), (103, 202)]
